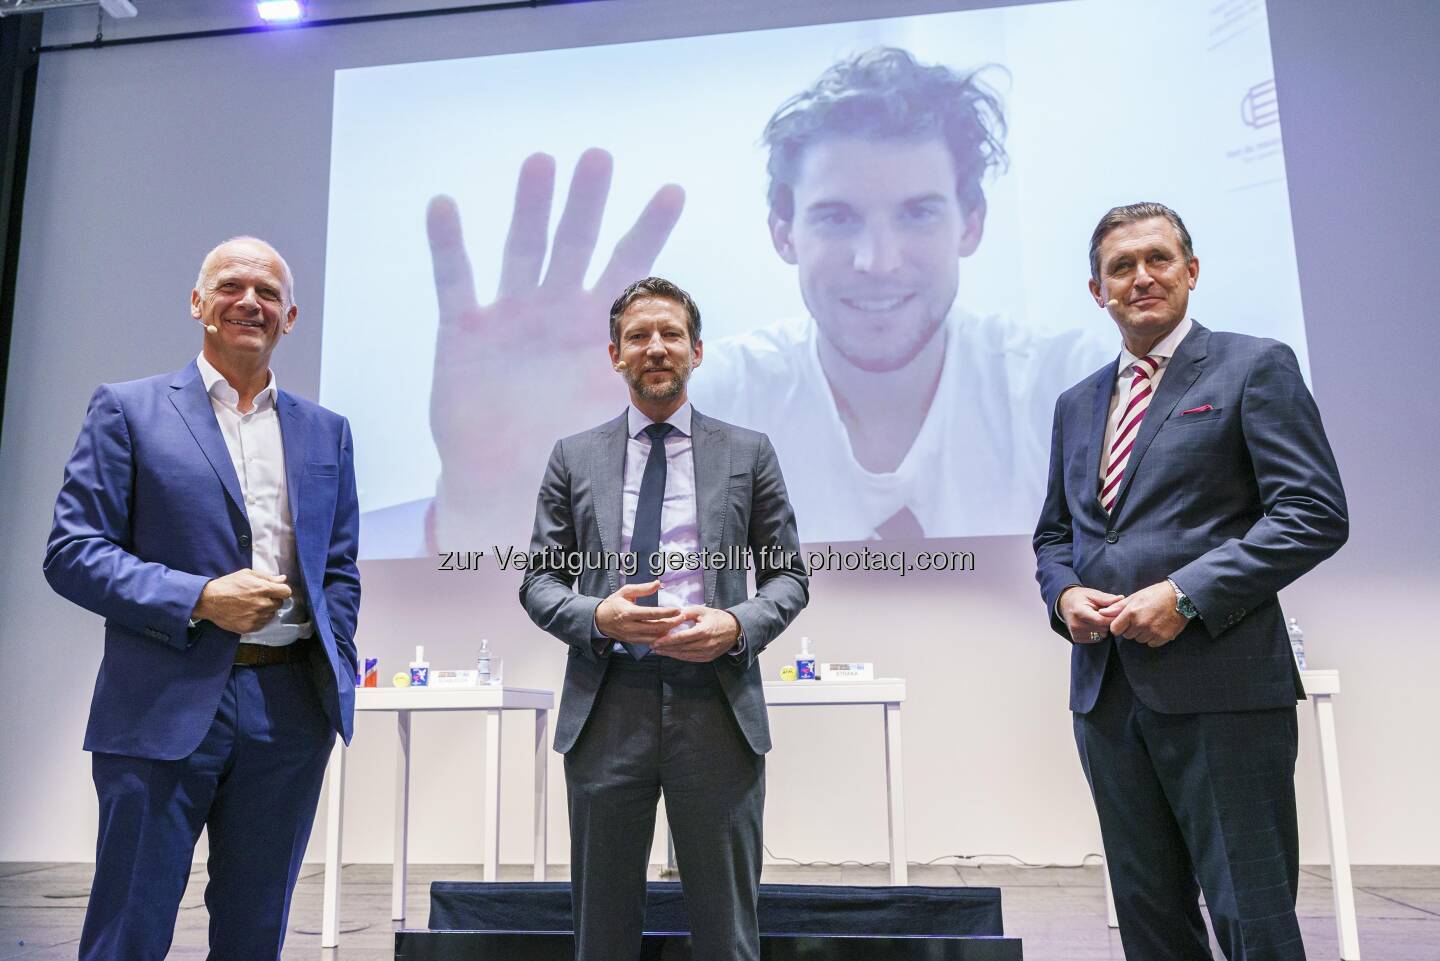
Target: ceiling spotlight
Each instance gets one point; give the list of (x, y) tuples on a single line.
[(280, 11)]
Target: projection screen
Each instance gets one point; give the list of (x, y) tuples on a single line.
[(897, 307)]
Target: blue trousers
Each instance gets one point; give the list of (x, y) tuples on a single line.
[(252, 783), (1191, 803)]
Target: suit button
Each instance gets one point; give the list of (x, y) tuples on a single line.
[(1112, 536), (244, 540)]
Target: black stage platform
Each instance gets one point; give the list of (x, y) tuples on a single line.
[(530, 921), (556, 946)]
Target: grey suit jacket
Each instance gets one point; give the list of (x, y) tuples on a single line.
[(1231, 491), (741, 503)]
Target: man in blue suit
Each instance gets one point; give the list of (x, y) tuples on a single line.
[(1189, 483), (211, 519)]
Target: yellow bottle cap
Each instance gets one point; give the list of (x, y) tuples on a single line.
[(401, 679)]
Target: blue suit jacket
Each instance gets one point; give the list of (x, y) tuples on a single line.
[(741, 502), (150, 510), (1232, 503)]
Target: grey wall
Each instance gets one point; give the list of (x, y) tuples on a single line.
[(143, 157)]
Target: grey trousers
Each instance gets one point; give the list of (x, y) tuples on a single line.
[(661, 725)]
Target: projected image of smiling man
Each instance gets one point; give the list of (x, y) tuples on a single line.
[(877, 230), (903, 414), (898, 412)]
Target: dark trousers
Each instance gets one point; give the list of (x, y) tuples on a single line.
[(253, 783), (661, 725), (1191, 803)]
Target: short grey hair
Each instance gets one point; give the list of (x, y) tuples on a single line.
[(1134, 213), (285, 273), (654, 287)]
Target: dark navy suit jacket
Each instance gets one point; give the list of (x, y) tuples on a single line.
[(1232, 503), (151, 510)]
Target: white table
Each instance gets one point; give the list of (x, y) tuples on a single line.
[(886, 693), (1320, 687), (492, 702)]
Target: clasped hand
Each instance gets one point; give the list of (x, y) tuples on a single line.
[(1148, 616), (696, 633)]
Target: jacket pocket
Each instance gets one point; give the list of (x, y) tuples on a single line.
[(1199, 417)]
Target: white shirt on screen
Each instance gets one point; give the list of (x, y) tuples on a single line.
[(978, 464), (258, 456)]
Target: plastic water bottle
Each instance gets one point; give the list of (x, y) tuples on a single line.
[(482, 663), (1297, 641)]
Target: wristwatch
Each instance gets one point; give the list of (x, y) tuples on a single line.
[(1183, 605)]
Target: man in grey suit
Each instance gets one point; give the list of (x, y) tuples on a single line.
[(660, 512)]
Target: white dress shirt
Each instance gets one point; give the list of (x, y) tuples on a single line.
[(679, 517), (1124, 380), (258, 456)]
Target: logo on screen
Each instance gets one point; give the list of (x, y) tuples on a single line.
[(1259, 108)]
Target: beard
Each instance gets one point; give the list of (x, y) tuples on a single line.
[(666, 390)]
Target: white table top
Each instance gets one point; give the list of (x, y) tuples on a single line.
[(1320, 682), (484, 697), (884, 690)]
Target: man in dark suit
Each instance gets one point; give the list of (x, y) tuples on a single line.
[(1189, 483), (211, 519), (662, 689)]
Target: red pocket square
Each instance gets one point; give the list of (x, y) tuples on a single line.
[(1196, 410)]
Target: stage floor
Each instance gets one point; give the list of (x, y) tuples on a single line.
[(1059, 912)]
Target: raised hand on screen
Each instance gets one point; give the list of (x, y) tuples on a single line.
[(515, 375)]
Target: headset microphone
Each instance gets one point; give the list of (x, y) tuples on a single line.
[(209, 328), (1111, 303)]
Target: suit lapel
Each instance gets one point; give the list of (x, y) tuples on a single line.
[(1182, 371), (711, 445), (295, 443), (608, 480), (1099, 415), (193, 404)]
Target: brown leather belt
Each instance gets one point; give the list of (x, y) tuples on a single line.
[(263, 655)]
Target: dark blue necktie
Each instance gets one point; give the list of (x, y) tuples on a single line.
[(645, 540)]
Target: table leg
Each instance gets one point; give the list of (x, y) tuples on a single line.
[(492, 795), (1111, 918), (334, 811), (542, 774), (895, 793), (1343, 891), (402, 817)]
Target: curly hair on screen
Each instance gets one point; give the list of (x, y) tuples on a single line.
[(886, 94)]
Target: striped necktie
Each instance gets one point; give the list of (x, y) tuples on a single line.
[(1142, 386)]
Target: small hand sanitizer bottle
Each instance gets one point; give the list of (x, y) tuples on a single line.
[(805, 662), (482, 662), (419, 668)]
